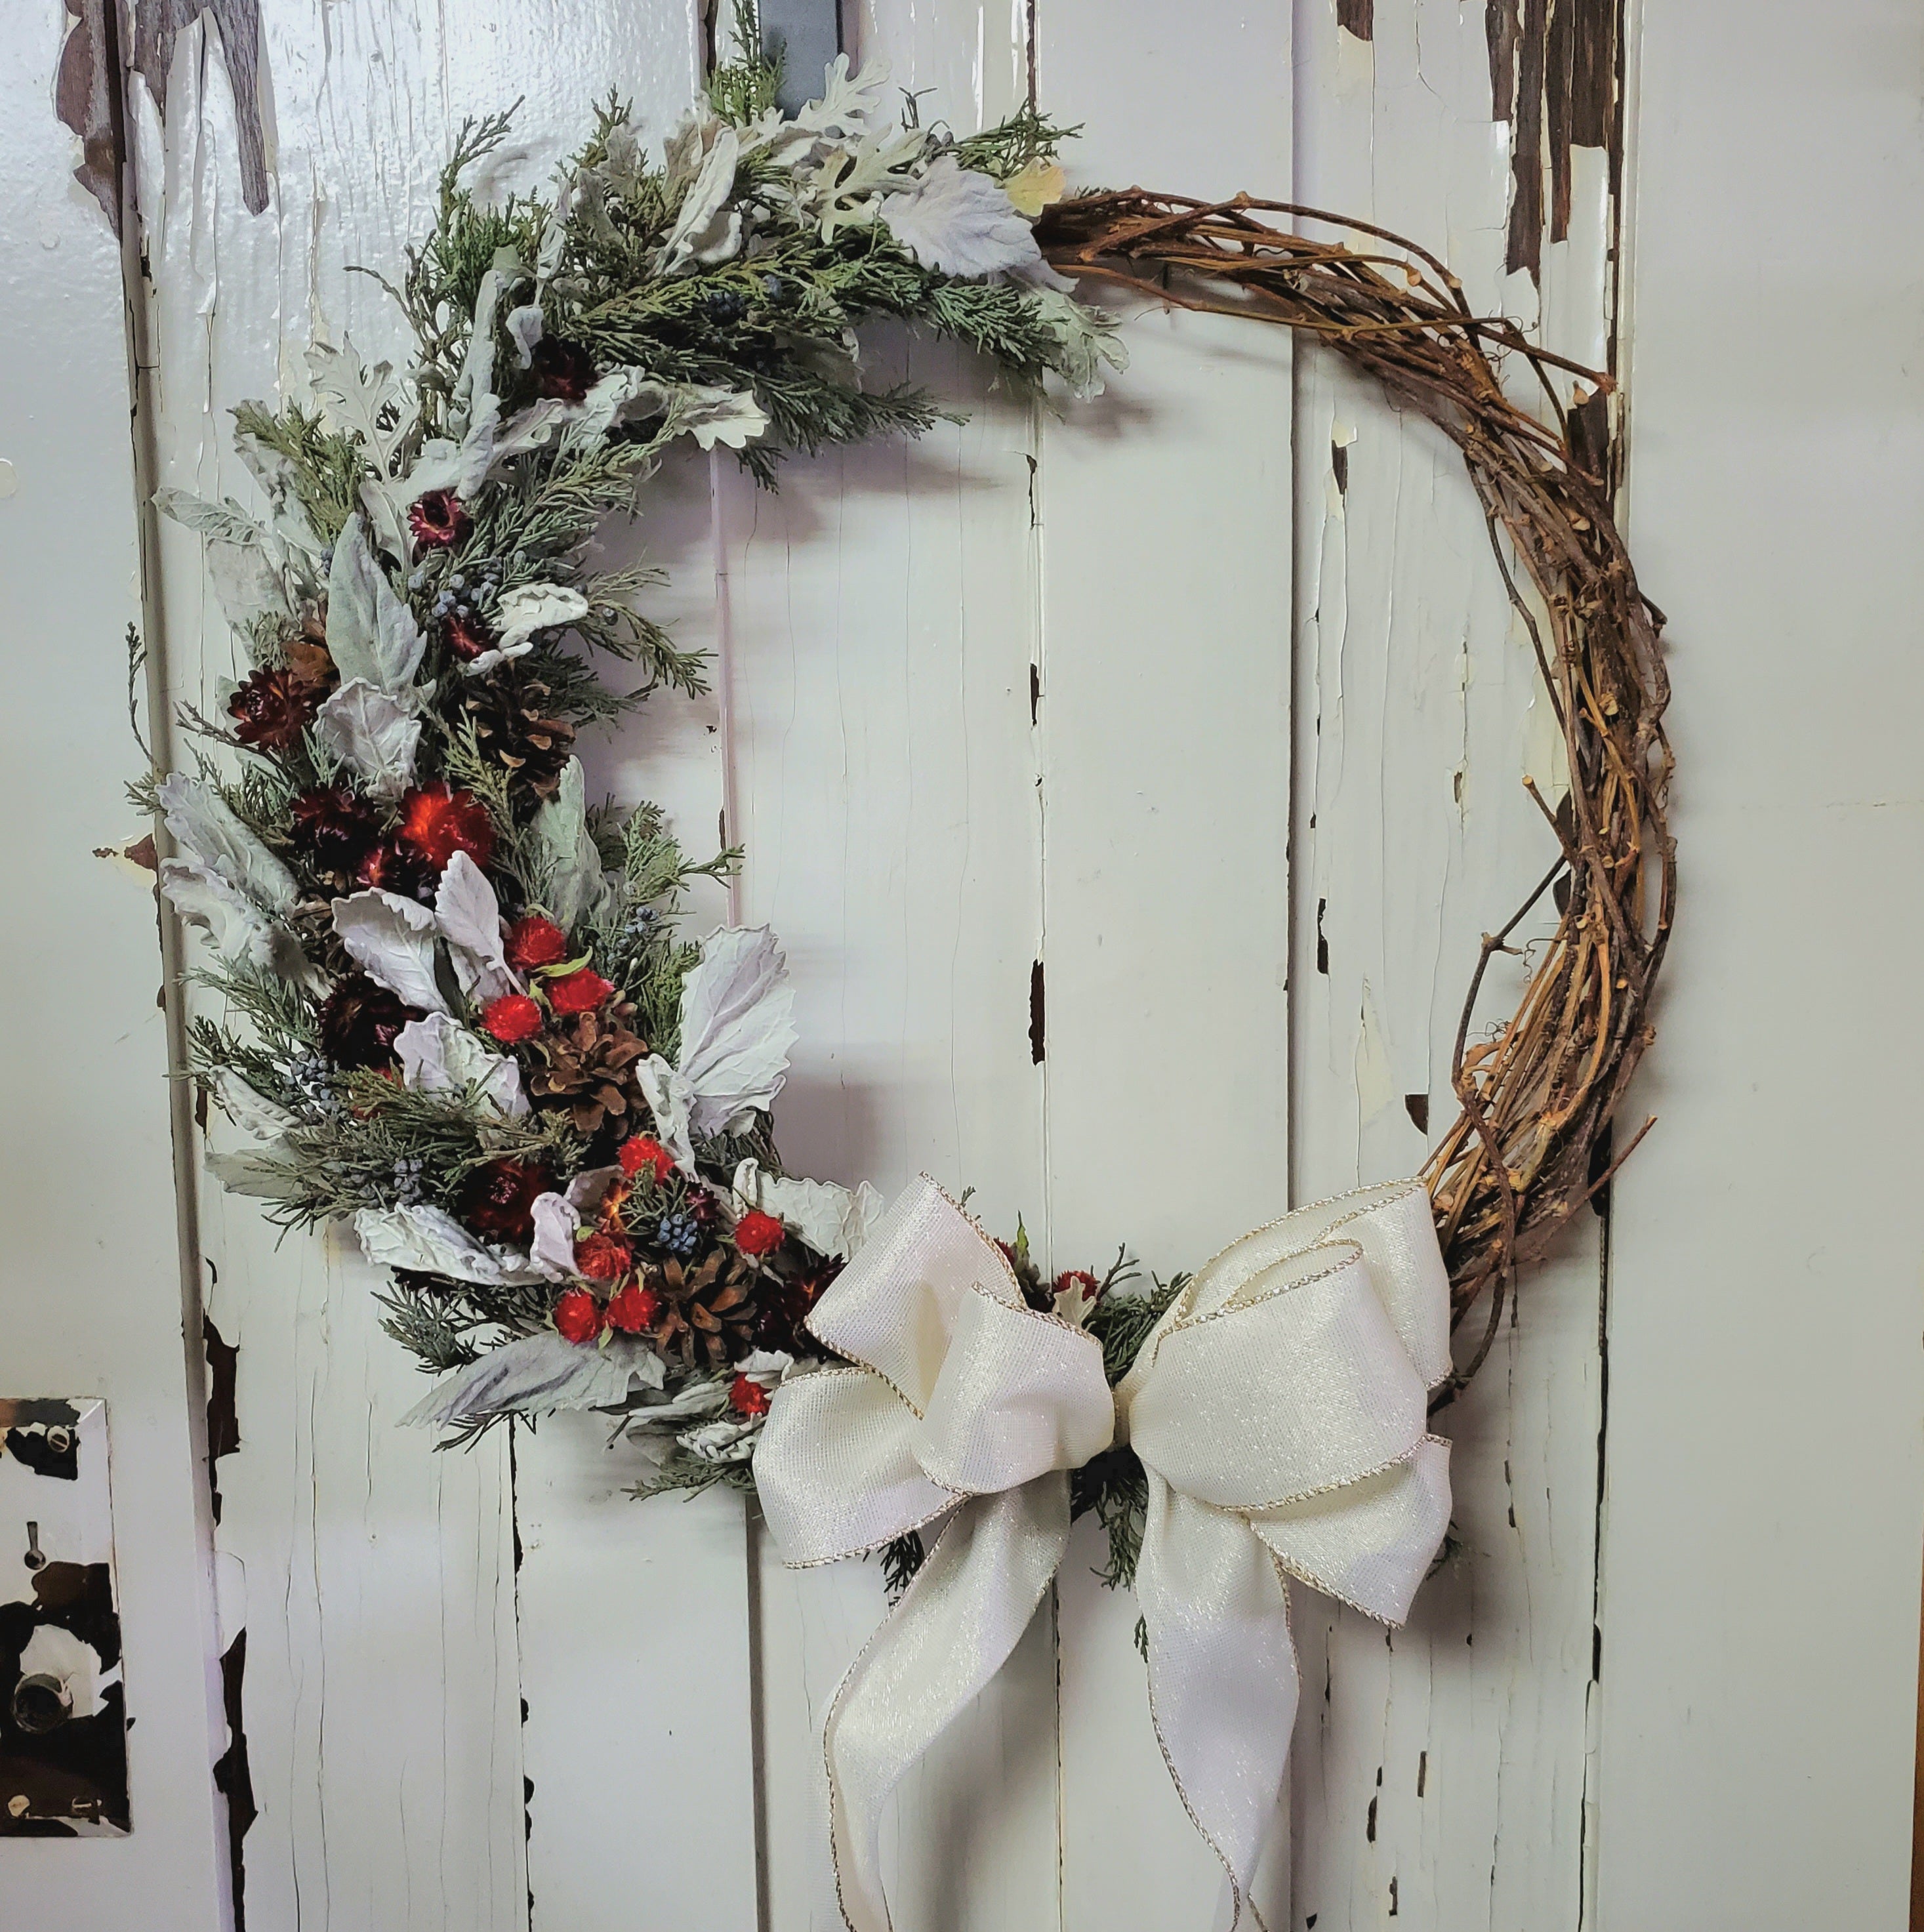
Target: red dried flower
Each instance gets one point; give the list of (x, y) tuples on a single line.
[(512, 1018), (578, 1316), (644, 1150), (580, 991), (757, 1234), (535, 941), (439, 823), (466, 637), (499, 1198), (634, 1309), (1090, 1285), (271, 709), (747, 1396), (438, 520), (562, 371), (334, 828), (602, 1258)]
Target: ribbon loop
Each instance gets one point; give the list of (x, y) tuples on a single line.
[(1279, 1409), (965, 1402)]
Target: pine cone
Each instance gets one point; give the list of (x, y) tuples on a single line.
[(586, 1062), (513, 729), (272, 708), (708, 1310)]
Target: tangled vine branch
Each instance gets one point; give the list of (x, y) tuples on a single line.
[(1533, 1142)]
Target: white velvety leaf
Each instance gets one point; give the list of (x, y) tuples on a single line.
[(711, 415), (1088, 341), (235, 927), (201, 820), (706, 230), (848, 108), (374, 733), (371, 634), (537, 1375), (469, 917), (439, 1055), (252, 1112), (694, 1398), (737, 1025), (252, 1171), (830, 1219), (530, 607), (431, 1241), (474, 387), (354, 397), (727, 1439), (391, 939), (525, 327), (567, 862), (960, 223), (489, 658), (459, 466), (670, 1099), (557, 1221), (620, 396), (243, 560)]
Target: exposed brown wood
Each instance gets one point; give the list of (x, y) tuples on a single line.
[(1554, 80), (159, 23), (86, 94), (1357, 17)]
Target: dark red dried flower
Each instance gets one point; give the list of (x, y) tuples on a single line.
[(785, 1306), (466, 636), (395, 868), (578, 1316), (535, 941), (271, 709), (358, 1021), (498, 1199), (562, 371), (438, 823), (438, 520), (334, 829)]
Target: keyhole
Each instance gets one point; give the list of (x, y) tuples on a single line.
[(36, 1557)]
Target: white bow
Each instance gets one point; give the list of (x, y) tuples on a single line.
[(1278, 1408), (966, 1400)]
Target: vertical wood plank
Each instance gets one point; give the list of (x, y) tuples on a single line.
[(383, 1694), (1766, 1463), (90, 1292), (1166, 512), (1440, 1771), (883, 608)]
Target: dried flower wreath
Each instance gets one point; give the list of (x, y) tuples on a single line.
[(461, 1012)]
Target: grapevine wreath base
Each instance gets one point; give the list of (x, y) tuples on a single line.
[(462, 1011)]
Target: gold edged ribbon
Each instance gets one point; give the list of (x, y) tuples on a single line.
[(1279, 1410)]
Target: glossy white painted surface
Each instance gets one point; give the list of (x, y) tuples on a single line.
[(90, 1279), (1766, 1481)]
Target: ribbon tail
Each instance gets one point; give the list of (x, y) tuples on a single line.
[(957, 1623), (1222, 1672)]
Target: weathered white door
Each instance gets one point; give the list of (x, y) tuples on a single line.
[(1131, 790)]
